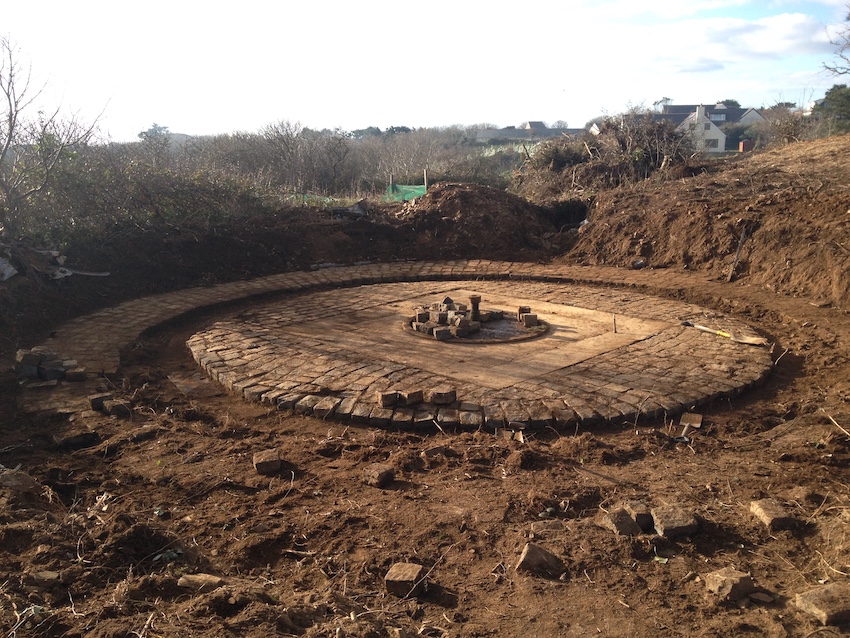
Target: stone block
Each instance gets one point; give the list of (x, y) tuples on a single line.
[(380, 417), (438, 317), (345, 407), (386, 399), (620, 522), (830, 604), (672, 521), (200, 582), (76, 375), (470, 419), (361, 412), (442, 333), (267, 461), (50, 370), (448, 417), (117, 408), (540, 561), (405, 579), (529, 320), (457, 331), (326, 407), (379, 475), (641, 515), (729, 584), (422, 316), (306, 404), (773, 514), (442, 395), (27, 358), (521, 311), (403, 417), (289, 400), (77, 439), (411, 397)]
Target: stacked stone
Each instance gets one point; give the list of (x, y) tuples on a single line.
[(40, 364), (447, 319)]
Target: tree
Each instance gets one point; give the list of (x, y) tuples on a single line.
[(732, 104), (842, 43), (31, 148), (834, 109)]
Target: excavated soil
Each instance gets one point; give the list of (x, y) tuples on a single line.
[(94, 540)]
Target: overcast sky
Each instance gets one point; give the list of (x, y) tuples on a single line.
[(206, 67)]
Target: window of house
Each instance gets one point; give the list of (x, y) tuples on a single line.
[(711, 143), (708, 126), (717, 117)]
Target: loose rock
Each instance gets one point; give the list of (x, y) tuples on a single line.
[(773, 514), (672, 521), (540, 561), (730, 584), (379, 475), (267, 461), (404, 579), (830, 604)]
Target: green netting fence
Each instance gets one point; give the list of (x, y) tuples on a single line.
[(403, 193)]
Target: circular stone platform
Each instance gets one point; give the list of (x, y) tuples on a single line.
[(608, 355)]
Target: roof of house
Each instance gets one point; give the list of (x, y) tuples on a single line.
[(733, 114)]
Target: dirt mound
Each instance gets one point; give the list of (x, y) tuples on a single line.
[(791, 206), (466, 220)]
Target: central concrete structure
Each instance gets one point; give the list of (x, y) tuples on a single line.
[(607, 355)]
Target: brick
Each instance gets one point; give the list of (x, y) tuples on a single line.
[(672, 521), (773, 514), (830, 604), (442, 395), (404, 579), (620, 522), (641, 515), (306, 404), (118, 408), (729, 584), (267, 461), (379, 475), (326, 407), (540, 561), (411, 397), (386, 398), (380, 417)]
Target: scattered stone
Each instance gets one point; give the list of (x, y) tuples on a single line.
[(45, 579), (729, 584), (830, 604), (379, 475), (405, 579), (27, 358), (540, 561), (620, 522), (672, 521), (18, 481), (761, 597), (641, 515), (411, 397), (442, 395), (267, 461), (96, 400), (200, 582), (773, 514), (117, 408), (386, 399), (51, 370), (77, 440)]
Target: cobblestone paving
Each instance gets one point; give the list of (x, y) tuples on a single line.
[(286, 354), (674, 369)]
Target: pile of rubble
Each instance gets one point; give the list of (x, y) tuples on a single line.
[(447, 319), (41, 366)]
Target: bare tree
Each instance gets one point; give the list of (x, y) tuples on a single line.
[(842, 44), (30, 146)]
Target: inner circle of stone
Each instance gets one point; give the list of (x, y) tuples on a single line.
[(609, 354)]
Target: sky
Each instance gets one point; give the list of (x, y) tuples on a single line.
[(205, 68)]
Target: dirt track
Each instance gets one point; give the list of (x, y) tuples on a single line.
[(96, 546)]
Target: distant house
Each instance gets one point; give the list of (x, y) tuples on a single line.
[(533, 131), (703, 123)]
